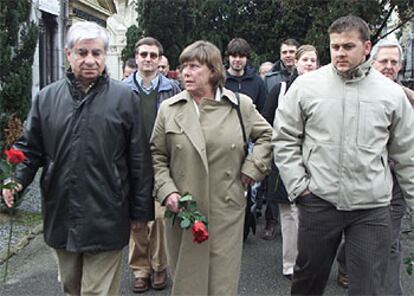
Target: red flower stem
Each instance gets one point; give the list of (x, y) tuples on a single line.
[(6, 264)]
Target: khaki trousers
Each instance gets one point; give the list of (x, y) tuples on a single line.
[(147, 250), (89, 273)]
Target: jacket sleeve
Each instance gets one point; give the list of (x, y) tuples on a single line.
[(400, 148), (258, 163), (288, 133), (262, 95), (31, 144), (140, 168), (164, 185), (270, 107)]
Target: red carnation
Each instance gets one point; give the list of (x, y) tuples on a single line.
[(14, 156), (199, 232)]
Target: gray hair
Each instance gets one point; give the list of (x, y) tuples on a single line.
[(84, 31), (386, 43)]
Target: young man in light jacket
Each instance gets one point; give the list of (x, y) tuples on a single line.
[(387, 58), (333, 135)]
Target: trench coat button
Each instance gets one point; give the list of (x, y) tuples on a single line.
[(233, 146), (178, 146), (227, 198), (228, 173)]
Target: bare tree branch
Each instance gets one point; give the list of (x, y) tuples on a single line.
[(384, 23), (397, 27)]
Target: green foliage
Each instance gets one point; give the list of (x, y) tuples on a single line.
[(18, 38), (263, 23), (409, 262), (132, 36)]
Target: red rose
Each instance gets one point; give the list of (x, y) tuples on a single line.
[(14, 156), (199, 232)]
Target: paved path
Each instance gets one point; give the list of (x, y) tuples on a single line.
[(33, 271)]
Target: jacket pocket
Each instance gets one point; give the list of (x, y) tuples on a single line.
[(387, 172), (372, 125), (118, 182), (173, 130), (237, 195), (175, 138), (307, 152), (47, 177)]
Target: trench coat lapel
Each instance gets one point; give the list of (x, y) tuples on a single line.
[(187, 120)]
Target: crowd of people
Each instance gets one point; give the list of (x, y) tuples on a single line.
[(329, 147)]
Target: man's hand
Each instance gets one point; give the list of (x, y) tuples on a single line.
[(307, 191), (8, 194), (246, 180), (137, 225), (171, 202)]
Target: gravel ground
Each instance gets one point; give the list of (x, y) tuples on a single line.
[(29, 204)]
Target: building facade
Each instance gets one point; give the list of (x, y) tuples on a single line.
[(54, 17), (118, 25)]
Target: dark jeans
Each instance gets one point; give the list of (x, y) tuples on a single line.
[(272, 210), (367, 244)]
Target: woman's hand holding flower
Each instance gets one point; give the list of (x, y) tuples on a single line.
[(171, 202)]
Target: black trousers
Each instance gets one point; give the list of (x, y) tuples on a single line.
[(367, 244)]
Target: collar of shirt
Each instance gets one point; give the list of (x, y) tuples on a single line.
[(153, 84), (218, 94)]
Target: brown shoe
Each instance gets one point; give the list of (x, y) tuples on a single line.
[(159, 279), (343, 280), (140, 285), (269, 232)]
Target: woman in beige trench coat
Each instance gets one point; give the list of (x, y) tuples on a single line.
[(197, 147)]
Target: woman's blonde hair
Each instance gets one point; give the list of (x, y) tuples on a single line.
[(305, 48), (208, 54)]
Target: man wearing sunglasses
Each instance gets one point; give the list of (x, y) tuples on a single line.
[(147, 254)]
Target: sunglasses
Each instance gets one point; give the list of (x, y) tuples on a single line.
[(144, 54)]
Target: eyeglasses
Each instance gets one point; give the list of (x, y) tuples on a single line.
[(144, 54)]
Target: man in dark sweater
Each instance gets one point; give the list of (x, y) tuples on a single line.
[(241, 78), (147, 254)]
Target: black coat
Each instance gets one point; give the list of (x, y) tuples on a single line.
[(97, 173), (275, 188), (278, 73)]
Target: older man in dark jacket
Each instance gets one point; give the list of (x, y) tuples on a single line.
[(85, 131)]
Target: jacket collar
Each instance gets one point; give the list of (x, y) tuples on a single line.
[(356, 74), (76, 88), (164, 83), (279, 66), (185, 96)]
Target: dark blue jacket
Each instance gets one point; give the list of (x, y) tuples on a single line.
[(249, 84)]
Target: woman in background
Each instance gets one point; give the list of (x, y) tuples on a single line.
[(306, 60)]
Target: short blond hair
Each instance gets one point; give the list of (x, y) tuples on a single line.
[(208, 54), (305, 48)]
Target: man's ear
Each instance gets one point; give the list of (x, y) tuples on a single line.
[(367, 47)]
